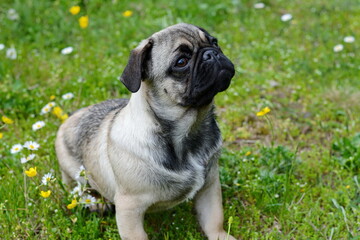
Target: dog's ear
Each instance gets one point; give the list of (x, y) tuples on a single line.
[(134, 71)]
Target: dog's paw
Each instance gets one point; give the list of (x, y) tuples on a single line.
[(221, 236)]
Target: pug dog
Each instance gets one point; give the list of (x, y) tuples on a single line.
[(160, 147)]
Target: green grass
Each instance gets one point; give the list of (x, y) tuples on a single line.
[(301, 179)]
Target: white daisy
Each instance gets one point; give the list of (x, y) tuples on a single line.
[(23, 160), (51, 104), (286, 17), (2, 46), (28, 158), (11, 53), (77, 190), (67, 50), (259, 5), (88, 200), (16, 148), (81, 173), (38, 125), (31, 145), (45, 109), (47, 178), (67, 96), (338, 48), (349, 39), (12, 14)]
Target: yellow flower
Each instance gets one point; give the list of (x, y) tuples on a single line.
[(52, 97), (347, 187), (248, 153), (74, 10), (127, 13), (84, 21), (64, 117), (45, 194), (1, 135), (31, 172), (57, 111), (263, 112), (72, 204), (7, 120)]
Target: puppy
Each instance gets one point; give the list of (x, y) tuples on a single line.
[(161, 147)]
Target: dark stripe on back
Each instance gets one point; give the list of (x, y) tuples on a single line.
[(91, 121)]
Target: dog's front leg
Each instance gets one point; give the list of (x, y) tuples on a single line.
[(130, 211), (208, 204)]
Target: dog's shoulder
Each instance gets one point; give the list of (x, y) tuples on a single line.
[(91, 120), (99, 111), (88, 124)]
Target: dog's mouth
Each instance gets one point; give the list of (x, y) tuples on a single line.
[(212, 74)]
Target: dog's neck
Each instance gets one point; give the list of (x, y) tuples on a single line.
[(169, 116), (167, 112)]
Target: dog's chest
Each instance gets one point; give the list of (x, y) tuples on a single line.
[(184, 161), (173, 187), (167, 160), (181, 172)]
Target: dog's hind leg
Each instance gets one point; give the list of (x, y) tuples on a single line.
[(66, 179), (69, 165)]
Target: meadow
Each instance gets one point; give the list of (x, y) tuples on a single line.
[(291, 172)]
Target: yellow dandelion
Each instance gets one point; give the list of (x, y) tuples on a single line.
[(64, 117), (31, 172), (45, 194), (74, 10), (248, 153), (73, 204), (7, 120), (84, 22), (263, 112), (1, 135), (347, 187), (57, 111), (52, 97), (127, 13)]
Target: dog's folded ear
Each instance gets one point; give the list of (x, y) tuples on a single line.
[(134, 71)]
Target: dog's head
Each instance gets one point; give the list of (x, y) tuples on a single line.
[(182, 63)]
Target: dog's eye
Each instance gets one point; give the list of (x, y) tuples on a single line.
[(182, 62)]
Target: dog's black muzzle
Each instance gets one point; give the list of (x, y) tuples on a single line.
[(211, 74)]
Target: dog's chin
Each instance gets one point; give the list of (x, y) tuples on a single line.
[(226, 76), (206, 94)]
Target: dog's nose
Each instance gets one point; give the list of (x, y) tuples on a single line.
[(210, 54)]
